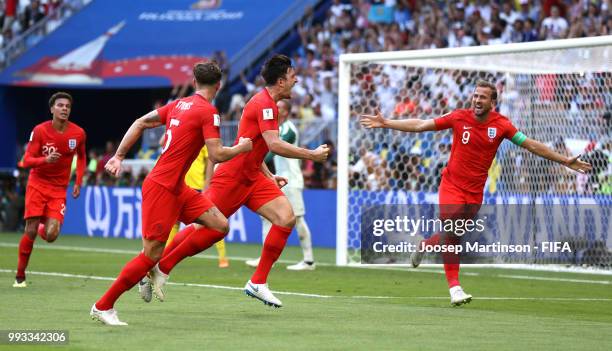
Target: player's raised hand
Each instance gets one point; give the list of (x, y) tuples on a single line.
[(113, 166), (576, 164), (53, 157), (280, 181), (245, 144), (372, 121), (320, 154)]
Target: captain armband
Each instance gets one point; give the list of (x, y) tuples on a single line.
[(518, 138)]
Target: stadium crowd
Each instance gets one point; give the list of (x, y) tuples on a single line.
[(18, 16)]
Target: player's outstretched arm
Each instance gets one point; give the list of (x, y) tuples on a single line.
[(573, 163), (284, 149), (218, 153), (404, 125), (150, 120)]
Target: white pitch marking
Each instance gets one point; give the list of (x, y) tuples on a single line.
[(224, 287), (323, 264)]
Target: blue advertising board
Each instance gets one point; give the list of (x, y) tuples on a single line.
[(115, 212)]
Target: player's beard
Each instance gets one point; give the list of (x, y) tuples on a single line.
[(480, 112)]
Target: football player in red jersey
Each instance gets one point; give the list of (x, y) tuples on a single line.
[(49, 154), (245, 180), (477, 134), (190, 123)]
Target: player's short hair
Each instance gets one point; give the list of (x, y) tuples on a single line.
[(207, 73), (275, 68), (486, 84), (287, 104), (59, 95)]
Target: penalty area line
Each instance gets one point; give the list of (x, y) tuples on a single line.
[(224, 287)]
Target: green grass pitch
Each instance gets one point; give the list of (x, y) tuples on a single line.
[(332, 308)]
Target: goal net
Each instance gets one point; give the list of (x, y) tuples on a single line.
[(557, 92)]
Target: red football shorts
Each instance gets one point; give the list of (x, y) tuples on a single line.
[(228, 193), (161, 209), (44, 204), (456, 203)]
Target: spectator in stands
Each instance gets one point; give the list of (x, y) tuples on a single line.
[(529, 31), (109, 151), (529, 10), (514, 33), (33, 13), (10, 14), (7, 36), (508, 14), (458, 38), (555, 26)]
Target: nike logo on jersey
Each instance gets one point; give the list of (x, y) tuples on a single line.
[(464, 127), (268, 114)]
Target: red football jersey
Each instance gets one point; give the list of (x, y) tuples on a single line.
[(189, 122), (474, 146), (53, 178), (259, 114)]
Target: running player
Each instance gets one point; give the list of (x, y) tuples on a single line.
[(49, 153), (190, 123), (198, 177), (477, 134), (290, 169), (245, 180)]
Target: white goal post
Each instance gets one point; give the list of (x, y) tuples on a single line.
[(552, 90)]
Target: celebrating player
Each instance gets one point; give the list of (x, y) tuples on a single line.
[(49, 153), (245, 180), (477, 134), (290, 168), (198, 177), (190, 123)]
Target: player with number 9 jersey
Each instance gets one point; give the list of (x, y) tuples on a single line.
[(475, 144), (477, 134)]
